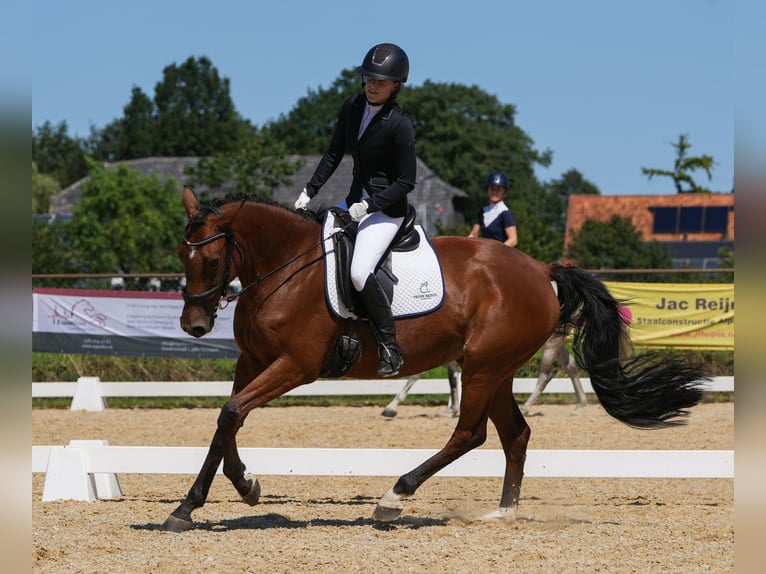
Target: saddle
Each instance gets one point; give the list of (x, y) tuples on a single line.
[(406, 239), (418, 280)]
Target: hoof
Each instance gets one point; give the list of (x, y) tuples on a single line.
[(252, 497), (389, 507), (500, 515), (386, 513), (175, 524), (389, 413), (449, 414)]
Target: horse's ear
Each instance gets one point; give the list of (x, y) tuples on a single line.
[(191, 203)]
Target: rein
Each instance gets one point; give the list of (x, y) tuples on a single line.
[(223, 287), (235, 296)]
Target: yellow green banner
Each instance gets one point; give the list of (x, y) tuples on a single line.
[(681, 315)]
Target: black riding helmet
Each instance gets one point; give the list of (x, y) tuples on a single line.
[(497, 178), (385, 62)]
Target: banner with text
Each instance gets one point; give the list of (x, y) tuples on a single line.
[(131, 323), (146, 324), (681, 315)]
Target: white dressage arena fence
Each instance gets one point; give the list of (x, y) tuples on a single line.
[(88, 469), (89, 393)]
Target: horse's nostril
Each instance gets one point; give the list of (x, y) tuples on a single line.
[(198, 331)]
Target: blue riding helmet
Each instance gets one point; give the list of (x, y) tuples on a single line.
[(497, 178)]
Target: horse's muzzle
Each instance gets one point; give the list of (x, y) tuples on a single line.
[(196, 322)]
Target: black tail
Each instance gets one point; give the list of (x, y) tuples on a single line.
[(650, 391)]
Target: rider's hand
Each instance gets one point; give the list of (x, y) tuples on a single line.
[(303, 200), (358, 210)]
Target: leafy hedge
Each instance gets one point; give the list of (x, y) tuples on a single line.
[(58, 367)]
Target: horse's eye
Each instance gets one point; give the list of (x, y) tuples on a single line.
[(214, 263)]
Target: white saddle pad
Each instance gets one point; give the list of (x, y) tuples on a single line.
[(420, 289)]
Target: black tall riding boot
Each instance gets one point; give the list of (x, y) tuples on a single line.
[(379, 312)]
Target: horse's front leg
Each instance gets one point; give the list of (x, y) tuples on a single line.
[(180, 519), (223, 446), (229, 422)]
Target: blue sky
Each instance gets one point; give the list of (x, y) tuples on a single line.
[(606, 85)]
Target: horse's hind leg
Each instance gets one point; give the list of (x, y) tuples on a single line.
[(547, 358), (569, 363), (453, 374), (390, 411), (514, 436), (470, 432)]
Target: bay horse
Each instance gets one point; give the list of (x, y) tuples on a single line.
[(499, 307)]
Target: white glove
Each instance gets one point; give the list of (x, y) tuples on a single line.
[(358, 210), (303, 200)]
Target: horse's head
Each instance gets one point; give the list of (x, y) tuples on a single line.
[(206, 253)]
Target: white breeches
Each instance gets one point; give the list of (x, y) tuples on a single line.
[(376, 231)]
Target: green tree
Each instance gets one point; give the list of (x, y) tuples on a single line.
[(192, 115), (57, 154), (307, 128), (43, 186), (726, 258), (138, 124), (616, 244), (129, 137), (195, 113), (464, 133), (258, 166), (550, 214), (683, 166), (52, 252), (128, 223)]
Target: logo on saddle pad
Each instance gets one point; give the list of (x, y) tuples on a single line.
[(418, 285)]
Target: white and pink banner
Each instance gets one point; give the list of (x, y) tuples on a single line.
[(132, 323)]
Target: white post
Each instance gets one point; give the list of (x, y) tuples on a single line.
[(107, 485), (67, 476), (87, 395)]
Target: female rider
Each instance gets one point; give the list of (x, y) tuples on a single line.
[(380, 138)]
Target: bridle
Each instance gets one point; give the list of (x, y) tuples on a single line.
[(223, 287)]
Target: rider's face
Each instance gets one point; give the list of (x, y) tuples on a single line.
[(378, 91), (495, 193)]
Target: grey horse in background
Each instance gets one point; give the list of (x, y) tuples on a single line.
[(453, 408), (554, 350)]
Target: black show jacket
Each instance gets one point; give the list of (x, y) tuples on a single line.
[(384, 157)]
